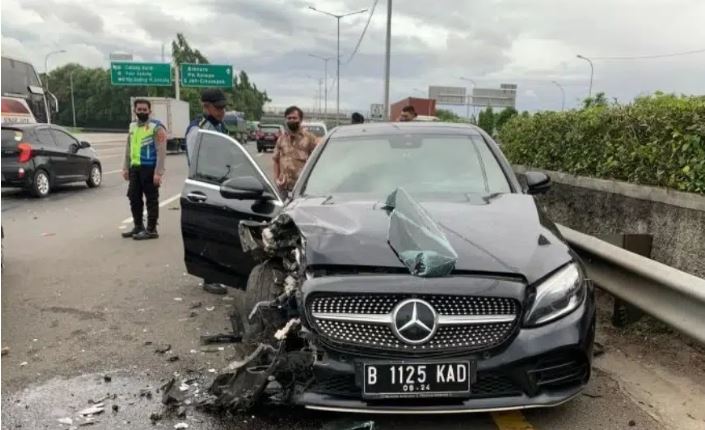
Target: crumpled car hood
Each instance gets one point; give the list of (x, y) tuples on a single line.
[(507, 234)]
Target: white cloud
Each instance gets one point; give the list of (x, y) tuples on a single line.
[(530, 43)]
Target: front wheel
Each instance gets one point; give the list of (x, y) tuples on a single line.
[(41, 185), (261, 287), (95, 177)]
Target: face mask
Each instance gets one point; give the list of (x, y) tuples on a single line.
[(293, 126), (142, 117)]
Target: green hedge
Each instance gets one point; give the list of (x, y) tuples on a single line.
[(657, 140)]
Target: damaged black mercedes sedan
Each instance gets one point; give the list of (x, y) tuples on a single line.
[(410, 271)]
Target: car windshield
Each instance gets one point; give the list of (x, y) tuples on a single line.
[(270, 129), (422, 164), (316, 130)]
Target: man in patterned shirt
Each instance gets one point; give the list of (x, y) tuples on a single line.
[(292, 150)]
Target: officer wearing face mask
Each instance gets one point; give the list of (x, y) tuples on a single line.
[(292, 150), (214, 102)]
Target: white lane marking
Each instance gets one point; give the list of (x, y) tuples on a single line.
[(161, 205), (258, 155), (112, 171), (101, 157)]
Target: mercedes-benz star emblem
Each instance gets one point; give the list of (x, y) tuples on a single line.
[(414, 321)]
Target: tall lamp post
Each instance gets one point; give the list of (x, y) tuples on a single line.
[(592, 71), (562, 94), (387, 59), (325, 79), (73, 103), (337, 17), (46, 75), (467, 112)]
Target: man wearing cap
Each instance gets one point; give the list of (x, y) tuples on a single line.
[(213, 113), (214, 103)]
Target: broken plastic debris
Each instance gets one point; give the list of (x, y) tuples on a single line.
[(161, 349), (5, 351), (24, 363), (210, 308), (211, 370), (67, 421), (93, 410), (178, 299), (220, 338), (283, 332), (349, 424), (181, 426), (416, 238), (196, 305)]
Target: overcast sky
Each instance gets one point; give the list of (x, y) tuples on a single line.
[(527, 42)]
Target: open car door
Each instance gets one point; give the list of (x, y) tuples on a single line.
[(225, 185)]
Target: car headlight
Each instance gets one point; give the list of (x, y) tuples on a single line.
[(557, 296)]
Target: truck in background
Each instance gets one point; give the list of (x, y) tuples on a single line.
[(237, 125), (174, 114), (423, 107), (22, 91)]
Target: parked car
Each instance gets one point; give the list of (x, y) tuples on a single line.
[(318, 129), (350, 295), (37, 157), (268, 135)]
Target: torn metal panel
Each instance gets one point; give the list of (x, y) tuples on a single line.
[(416, 238)]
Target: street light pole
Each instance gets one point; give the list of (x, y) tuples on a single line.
[(467, 110), (562, 94), (46, 76), (73, 103), (387, 60), (325, 78), (337, 17), (592, 71)]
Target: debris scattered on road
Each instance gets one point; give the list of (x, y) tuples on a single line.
[(24, 363), (116, 408), (147, 342), (193, 351), (107, 378), (93, 410), (181, 426), (87, 423), (348, 424), (220, 338), (598, 349), (592, 396), (196, 305), (155, 416), (632, 423), (210, 308), (146, 393), (5, 351), (163, 349), (228, 298), (48, 234), (211, 370), (193, 314), (67, 421), (173, 358), (178, 299), (181, 412)]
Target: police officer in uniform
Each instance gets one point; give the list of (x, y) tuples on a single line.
[(214, 103)]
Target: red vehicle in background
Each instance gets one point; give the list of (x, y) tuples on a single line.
[(267, 136)]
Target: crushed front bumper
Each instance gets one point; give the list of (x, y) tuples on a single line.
[(541, 367)]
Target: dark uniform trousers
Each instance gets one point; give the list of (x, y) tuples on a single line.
[(142, 183)]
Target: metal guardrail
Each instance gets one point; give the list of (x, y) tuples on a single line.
[(670, 295)]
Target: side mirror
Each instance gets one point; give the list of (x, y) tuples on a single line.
[(537, 182), (53, 103), (83, 144), (35, 89), (242, 188)]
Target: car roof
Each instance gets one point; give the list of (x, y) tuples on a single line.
[(387, 128), (31, 126)]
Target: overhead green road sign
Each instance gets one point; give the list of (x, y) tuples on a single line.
[(140, 74), (206, 75)]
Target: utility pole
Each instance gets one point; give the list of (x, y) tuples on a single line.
[(562, 94), (467, 102), (325, 78), (387, 60), (338, 17), (592, 72), (73, 103)]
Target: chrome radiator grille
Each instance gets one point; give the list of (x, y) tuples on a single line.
[(445, 322)]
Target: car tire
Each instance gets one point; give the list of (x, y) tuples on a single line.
[(95, 176), (261, 287), (41, 184)]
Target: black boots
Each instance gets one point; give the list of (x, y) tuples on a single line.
[(149, 233), (135, 230)]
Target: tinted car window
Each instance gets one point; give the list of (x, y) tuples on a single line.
[(10, 138), (219, 160), (44, 137), (423, 164), (63, 140)]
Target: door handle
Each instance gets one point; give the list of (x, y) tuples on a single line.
[(196, 197)]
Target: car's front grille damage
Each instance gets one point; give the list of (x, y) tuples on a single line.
[(462, 323)]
